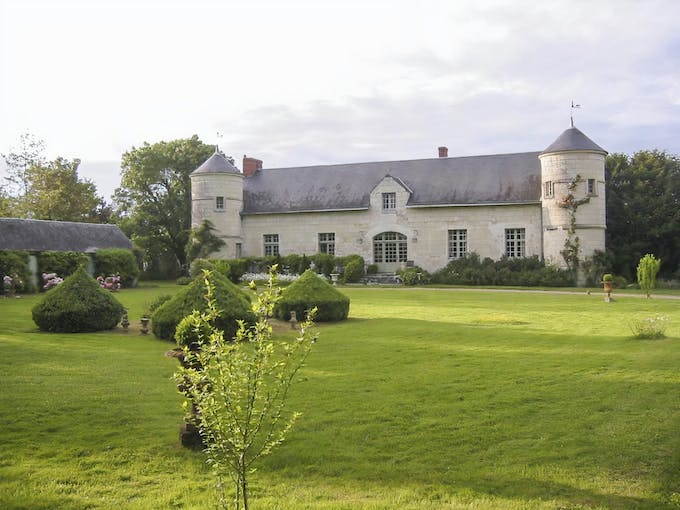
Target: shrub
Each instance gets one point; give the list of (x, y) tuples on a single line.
[(78, 305), (199, 265), (354, 270), (310, 291), (650, 328), (184, 280), (117, 261), (156, 304), (372, 269), (15, 265), (529, 271), (220, 265), (237, 267), (295, 264), (647, 269), (324, 263), (64, 263), (232, 302), (414, 276)]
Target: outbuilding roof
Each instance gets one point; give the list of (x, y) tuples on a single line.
[(45, 235), (473, 180), (573, 139)]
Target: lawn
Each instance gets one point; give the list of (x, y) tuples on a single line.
[(424, 399)]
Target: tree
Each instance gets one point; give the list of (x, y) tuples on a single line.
[(202, 241), (28, 153), (154, 199), (6, 204), (643, 209), (55, 192), (646, 273), (239, 388)]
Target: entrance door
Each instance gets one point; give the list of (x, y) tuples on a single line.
[(389, 251)]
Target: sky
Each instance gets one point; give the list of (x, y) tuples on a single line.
[(308, 82)]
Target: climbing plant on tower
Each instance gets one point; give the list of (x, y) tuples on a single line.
[(572, 243)]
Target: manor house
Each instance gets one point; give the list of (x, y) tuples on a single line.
[(421, 212)]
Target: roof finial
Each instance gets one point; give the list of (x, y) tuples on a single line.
[(573, 107), (218, 136)]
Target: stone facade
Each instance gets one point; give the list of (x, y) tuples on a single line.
[(423, 212)]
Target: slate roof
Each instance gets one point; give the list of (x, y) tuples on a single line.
[(216, 164), (44, 235), (474, 180), (573, 139)]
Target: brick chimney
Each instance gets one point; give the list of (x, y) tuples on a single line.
[(443, 152), (251, 165)]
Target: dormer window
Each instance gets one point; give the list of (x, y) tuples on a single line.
[(389, 201)]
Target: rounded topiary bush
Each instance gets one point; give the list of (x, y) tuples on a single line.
[(232, 303), (78, 305), (310, 291)]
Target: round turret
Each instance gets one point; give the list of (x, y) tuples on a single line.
[(217, 196), (573, 198)]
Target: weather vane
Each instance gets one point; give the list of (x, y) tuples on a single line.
[(573, 107), (218, 136)]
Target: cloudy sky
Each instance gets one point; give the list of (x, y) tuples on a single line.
[(302, 82)]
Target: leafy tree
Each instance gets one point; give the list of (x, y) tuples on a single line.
[(643, 209), (28, 153), (202, 241), (154, 199), (6, 204), (647, 269), (239, 389), (55, 192)]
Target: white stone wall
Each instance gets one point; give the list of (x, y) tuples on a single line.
[(562, 168), (205, 188), (426, 229)]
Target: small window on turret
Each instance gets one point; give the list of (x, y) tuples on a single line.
[(548, 189), (219, 203), (592, 190)]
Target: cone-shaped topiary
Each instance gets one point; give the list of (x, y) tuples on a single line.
[(309, 291), (78, 305), (232, 303)]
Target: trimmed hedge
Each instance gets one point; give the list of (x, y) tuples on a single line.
[(353, 268), (310, 291), (220, 265), (232, 303), (117, 261), (78, 305), (15, 264), (527, 272), (64, 263)]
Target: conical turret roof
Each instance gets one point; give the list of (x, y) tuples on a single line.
[(573, 139), (216, 164)]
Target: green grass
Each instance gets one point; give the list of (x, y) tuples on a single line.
[(424, 399)]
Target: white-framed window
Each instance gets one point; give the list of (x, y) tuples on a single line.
[(457, 243), (219, 203), (389, 201), (271, 244), (390, 247), (548, 189), (515, 242), (327, 243), (592, 187)]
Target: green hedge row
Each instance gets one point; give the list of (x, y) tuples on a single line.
[(525, 272), (107, 262)]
